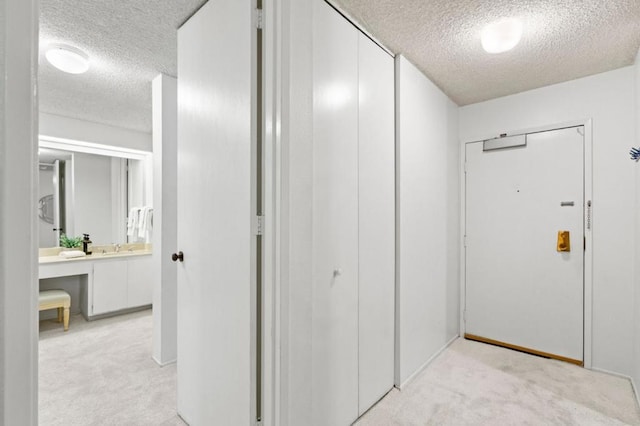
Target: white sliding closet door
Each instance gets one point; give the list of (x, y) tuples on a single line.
[(335, 220), (353, 221), (216, 137), (376, 215)]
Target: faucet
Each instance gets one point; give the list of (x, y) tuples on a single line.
[(116, 248)]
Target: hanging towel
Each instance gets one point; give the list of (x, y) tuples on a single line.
[(145, 223), (133, 221)]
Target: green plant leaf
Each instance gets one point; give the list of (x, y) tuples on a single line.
[(70, 242)]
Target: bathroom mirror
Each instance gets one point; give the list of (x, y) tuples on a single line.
[(88, 193)]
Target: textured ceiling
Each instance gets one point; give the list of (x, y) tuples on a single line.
[(132, 41), (562, 40), (129, 41)]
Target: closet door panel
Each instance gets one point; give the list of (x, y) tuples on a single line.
[(376, 222), (335, 219)]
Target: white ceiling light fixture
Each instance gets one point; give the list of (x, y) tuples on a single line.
[(67, 58), (501, 35)]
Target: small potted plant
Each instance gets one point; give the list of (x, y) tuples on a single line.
[(70, 242)]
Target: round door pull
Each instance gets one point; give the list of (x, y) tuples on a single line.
[(177, 256)]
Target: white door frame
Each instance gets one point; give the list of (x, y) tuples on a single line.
[(19, 368), (18, 217), (588, 220), (271, 115)]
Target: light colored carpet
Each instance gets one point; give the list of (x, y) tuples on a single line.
[(473, 383), (102, 373)]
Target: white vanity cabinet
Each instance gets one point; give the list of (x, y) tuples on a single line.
[(109, 283), (120, 284), (109, 288), (139, 281)]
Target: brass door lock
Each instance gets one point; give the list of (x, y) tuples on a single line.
[(564, 243)]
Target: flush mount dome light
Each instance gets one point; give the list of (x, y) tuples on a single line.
[(67, 58), (501, 35)]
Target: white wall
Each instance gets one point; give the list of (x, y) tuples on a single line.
[(18, 230), (140, 182), (165, 218), (608, 99), (57, 126), (135, 189), (428, 214), (93, 197)]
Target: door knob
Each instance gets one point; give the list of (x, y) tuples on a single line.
[(178, 256)]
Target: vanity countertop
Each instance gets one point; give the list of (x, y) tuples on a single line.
[(99, 253)]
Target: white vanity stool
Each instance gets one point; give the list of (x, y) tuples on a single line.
[(60, 299)]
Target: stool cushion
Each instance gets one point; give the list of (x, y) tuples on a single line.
[(54, 298)]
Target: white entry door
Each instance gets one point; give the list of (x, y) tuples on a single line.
[(216, 133), (520, 290)]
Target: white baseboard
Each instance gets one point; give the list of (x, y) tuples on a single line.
[(623, 376), (635, 392), (612, 373), (164, 364), (426, 364)]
